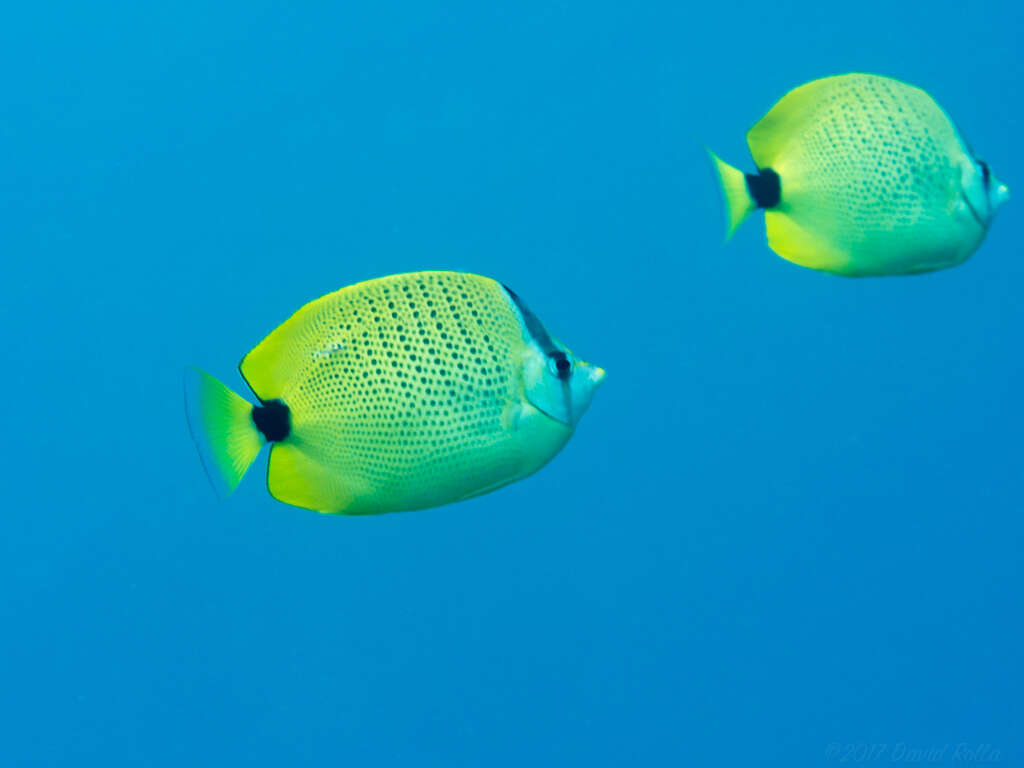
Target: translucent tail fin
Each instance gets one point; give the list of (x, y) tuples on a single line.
[(738, 202), (222, 427)]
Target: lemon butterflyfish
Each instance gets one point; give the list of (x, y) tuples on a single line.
[(399, 393), (864, 175)]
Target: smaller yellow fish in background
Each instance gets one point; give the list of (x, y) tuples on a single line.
[(864, 175), (399, 393)]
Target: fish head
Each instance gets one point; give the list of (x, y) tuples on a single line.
[(558, 383), (983, 193), (555, 381)]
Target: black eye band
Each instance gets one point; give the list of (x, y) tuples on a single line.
[(985, 173), (562, 364), (533, 325)]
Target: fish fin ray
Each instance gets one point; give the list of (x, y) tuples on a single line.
[(738, 202), (222, 428)]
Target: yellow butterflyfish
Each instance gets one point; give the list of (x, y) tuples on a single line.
[(399, 393), (864, 175)]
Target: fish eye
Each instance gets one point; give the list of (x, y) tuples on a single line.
[(562, 366)]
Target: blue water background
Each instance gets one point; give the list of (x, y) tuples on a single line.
[(790, 520)]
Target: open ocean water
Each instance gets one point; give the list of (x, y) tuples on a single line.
[(787, 533)]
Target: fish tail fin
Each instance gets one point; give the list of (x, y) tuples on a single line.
[(223, 430), (738, 201)]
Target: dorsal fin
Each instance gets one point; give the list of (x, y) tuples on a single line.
[(771, 134)]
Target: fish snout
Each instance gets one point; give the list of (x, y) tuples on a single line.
[(1000, 195), (596, 374)]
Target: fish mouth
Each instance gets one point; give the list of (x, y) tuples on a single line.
[(1002, 195)]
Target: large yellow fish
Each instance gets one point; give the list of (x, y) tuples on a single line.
[(864, 175), (400, 393)]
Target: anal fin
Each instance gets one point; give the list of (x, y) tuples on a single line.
[(300, 480), (800, 245)]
